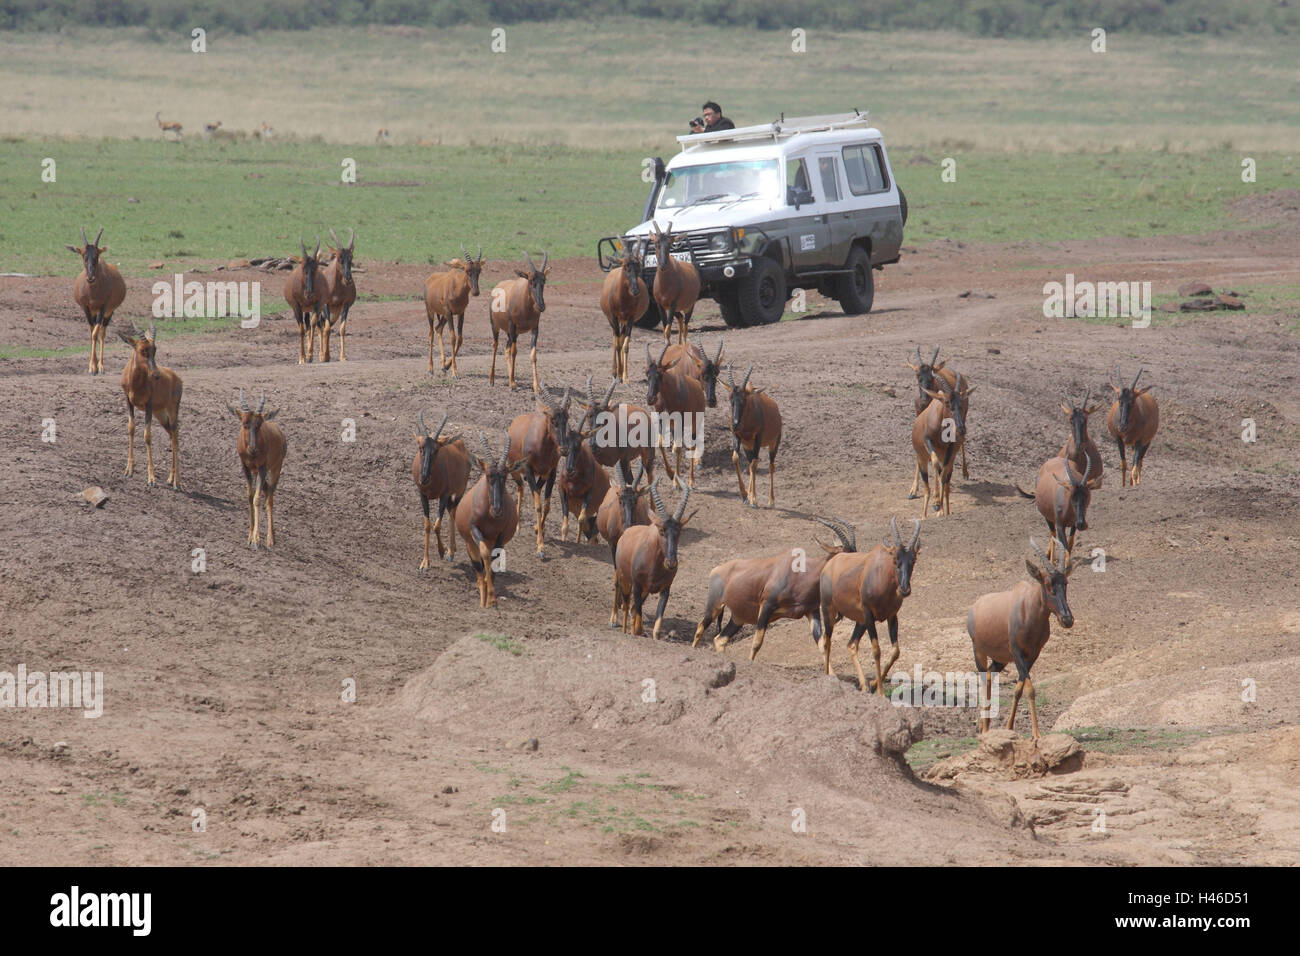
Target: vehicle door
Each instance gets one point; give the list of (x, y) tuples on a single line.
[(873, 199), (806, 224), (841, 227)]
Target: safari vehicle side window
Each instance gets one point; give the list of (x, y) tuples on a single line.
[(864, 169), (798, 184), (830, 183)]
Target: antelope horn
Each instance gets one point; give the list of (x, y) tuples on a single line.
[(303, 245), (335, 238), (658, 502), (919, 360), (488, 454), (316, 254), (839, 532), (853, 535), (262, 402), (101, 232), (618, 477), (544, 394), (662, 354), (84, 240), (568, 397), (463, 253), (649, 360), (1087, 467), (531, 267), (242, 404), (638, 472), (1086, 395), (546, 256), (1065, 560), (150, 335), (893, 526), (424, 432), (731, 377), (747, 374), (935, 355), (916, 534), (609, 393), (505, 452), (1119, 379), (352, 238), (1042, 555), (480, 253), (591, 396), (1135, 377), (686, 496), (717, 358), (441, 424)]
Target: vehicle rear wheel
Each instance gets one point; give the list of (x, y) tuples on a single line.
[(729, 305), (761, 294), (652, 318), (857, 290)]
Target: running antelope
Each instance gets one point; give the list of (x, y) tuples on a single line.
[(866, 588), (534, 445), (676, 287), (446, 297), (583, 483), (623, 433), (440, 470), (487, 519), (99, 290), (1080, 449), (755, 425), (156, 391), (681, 397), (1011, 627), (624, 506), (261, 453), (1062, 496), (926, 375), (624, 299), (645, 561), (937, 435), (167, 126), (1132, 422)]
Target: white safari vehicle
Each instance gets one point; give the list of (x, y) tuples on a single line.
[(803, 203)]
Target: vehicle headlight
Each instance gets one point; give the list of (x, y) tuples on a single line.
[(721, 242)]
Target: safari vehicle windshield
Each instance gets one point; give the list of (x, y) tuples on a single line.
[(720, 182)]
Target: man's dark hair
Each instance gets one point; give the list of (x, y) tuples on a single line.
[(710, 105)]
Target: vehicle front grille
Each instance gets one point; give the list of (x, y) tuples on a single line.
[(698, 244)]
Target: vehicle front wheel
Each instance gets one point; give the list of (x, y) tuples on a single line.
[(856, 290), (761, 294), (729, 305)]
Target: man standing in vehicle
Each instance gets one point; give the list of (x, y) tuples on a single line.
[(712, 120)]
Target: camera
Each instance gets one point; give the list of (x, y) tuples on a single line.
[(698, 121)]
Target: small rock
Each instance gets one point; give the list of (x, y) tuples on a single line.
[(1189, 289), (889, 390), (95, 495), (60, 746), (155, 265), (450, 789), (995, 351), (1199, 305), (58, 790), (132, 199), (1230, 302), (1169, 307)]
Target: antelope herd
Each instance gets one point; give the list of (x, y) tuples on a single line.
[(602, 458)]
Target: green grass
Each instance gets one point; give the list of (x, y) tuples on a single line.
[(923, 753), (1110, 740), (502, 643)]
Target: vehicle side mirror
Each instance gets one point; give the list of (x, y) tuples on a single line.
[(797, 197)]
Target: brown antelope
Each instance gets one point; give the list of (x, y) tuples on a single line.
[(755, 424), (1132, 422), (681, 397), (1080, 449), (624, 507), (866, 588), (535, 446), (677, 285), (446, 297), (487, 519), (1011, 627), (583, 483), (263, 133), (302, 290), (337, 294), (758, 591), (211, 128), (645, 561), (99, 290), (440, 470), (1062, 496), (937, 435), (623, 433), (709, 369), (926, 373), (517, 306), (624, 299), (261, 453), (166, 125), (156, 391), (383, 136)]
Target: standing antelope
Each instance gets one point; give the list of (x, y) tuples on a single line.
[(99, 290), (645, 561), (759, 591), (261, 453), (1062, 495), (302, 291), (1011, 627), (211, 128), (1132, 422), (166, 125), (682, 398), (517, 306), (677, 285), (440, 470), (1080, 449), (709, 369), (624, 506), (926, 375), (337, 294), (156, 391), (624, 299), (866, 588), (534, 444), (623, 433), (755, 424), (937, 435), (583, 482), (488, 519), (446, 296)]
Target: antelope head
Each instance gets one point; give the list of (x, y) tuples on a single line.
[(1052, 578), (89, 252), (251, 421), (344, 253), (536, 279), (904, 555)]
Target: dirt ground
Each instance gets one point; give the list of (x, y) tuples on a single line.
[(223, 689)]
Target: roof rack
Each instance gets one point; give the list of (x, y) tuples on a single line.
[(779, 129)]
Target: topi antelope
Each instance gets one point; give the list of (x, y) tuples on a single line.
[(623, 433), (759, 591), (866, 588), (337, 294), (676, 286), (156, 391), (1062, 496), (488, 518), (697, 364), (99, 290), (517, 306), (261, 453), (755, 424), (926, 375), (534, 444), (676, 393), (440, 470), (1132, 422), (583, 483), (211, 128), (302, 290), (645, 561), (937, 435), (1011, 627), (624, 506), (167, 126), (446, 297), (1080, 449), (624, 299)]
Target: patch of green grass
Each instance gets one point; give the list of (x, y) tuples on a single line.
[(923, 753), (514, 799), (1111, 740), (565, 783), (502, 643)]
